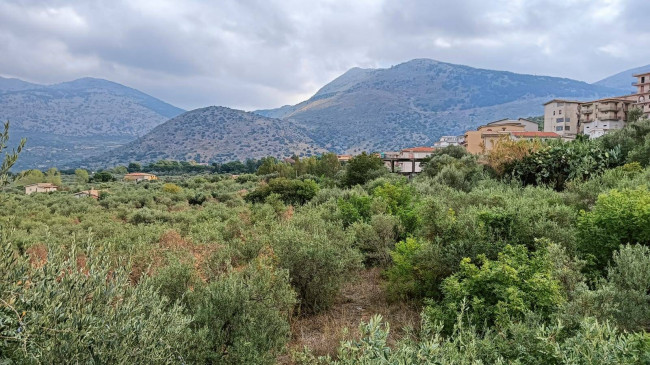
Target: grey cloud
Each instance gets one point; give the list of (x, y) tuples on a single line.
[(264, 53)]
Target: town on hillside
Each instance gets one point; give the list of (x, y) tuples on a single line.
[(563, 120)]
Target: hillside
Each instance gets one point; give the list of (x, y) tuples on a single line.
[(623, 80), (417, 101), (214, 134), (71, 120)]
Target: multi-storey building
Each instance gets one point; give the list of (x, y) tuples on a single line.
[(600, 116), (561, 117), (643, 92)]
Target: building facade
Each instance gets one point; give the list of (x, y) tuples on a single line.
[(562, 117), (643, 92), (446, 141), (140, 176), (600, 116), (40, 188), (485, 137)]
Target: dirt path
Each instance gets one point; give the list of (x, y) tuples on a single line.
[(358, 301)]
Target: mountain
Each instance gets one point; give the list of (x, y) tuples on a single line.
[(416, 102), (623, 80), (213, 134), (69, 121)]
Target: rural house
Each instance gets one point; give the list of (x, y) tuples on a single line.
[(140, 176), (40, 188)]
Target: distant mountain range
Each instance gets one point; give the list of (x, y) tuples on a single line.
[(214, 134), (69, 121), (416, 102), (413, 103), (623, 80)]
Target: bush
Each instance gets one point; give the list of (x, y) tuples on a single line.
[(295, 192), (244, 315), (171, 188), (497, 292), (67, 307), (319, 257), (619, 217)]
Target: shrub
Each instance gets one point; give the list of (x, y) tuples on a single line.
[(619, 217), (244, 315), (67, 307), (171, 188), (499, 291), (319, 258), (290, 191)]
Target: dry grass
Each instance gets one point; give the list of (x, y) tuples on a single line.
[(357, 302)]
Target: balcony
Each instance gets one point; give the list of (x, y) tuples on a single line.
[(586, 111), (608, 108)]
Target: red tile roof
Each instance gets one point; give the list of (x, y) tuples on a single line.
[(138, 174), (535, 134)]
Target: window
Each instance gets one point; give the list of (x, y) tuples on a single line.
[(559, 128), (560, 112), (567, 128), (567, 119), (553, 112), (559, 120)]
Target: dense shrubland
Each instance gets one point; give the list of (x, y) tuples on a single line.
[(535, 254)]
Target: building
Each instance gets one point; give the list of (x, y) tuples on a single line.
[(446, 141), (544, 136), (562, 117), (343, 158), (643, 92), (92, 193), (407, 161), (40, 188), (485, 137), (140, 176), (600, 116)]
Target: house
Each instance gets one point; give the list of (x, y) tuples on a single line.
[(562, 117), (140, 176), (600, 116), (40, 188), (92, 193), (446, 141), (344, 158), (485, 137), (407, 161)]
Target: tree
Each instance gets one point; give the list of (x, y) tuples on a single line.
[(103, 176), (31, 177), (53, 176), (9, 159), (363, 168), (81, 176), (134, 167)]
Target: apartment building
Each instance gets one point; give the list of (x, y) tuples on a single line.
[(600, 116), (562, 117), (643, 92)]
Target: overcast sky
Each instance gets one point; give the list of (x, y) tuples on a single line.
[(252, 54)]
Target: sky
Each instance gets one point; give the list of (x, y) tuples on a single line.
[(253, 54)]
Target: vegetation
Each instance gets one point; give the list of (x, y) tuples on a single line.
[(9, 159), (229, 269)]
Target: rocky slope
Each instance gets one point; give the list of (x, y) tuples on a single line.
[(72, 120), (213, 134), (416, 102)]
